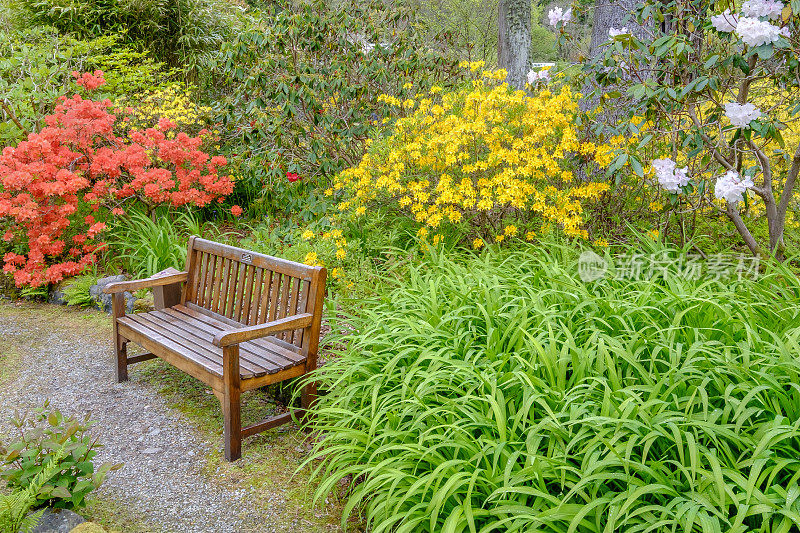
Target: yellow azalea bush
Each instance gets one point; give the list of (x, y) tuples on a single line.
[(489, 162), (173, 102)]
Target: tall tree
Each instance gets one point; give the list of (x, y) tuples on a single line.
[(514, 39), (613, 14)]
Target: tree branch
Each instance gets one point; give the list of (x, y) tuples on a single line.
[(13, 116)]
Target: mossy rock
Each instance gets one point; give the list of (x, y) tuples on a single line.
[(90, 527)]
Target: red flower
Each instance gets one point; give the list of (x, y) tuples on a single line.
[(236, 211), (291, 176)]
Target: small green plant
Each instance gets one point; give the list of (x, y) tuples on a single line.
[(42, 437), (77, 292), (151, 245), (14, 507)]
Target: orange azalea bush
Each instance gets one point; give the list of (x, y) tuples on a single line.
[(58, 186)]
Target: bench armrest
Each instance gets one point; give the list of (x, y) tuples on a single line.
[(248, 333), (165, 277)]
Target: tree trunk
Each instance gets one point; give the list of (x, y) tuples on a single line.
[(611, 14), (514, 40)]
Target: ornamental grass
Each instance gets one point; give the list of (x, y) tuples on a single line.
[(502, 393)]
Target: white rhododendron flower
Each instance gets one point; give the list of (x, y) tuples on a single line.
[(731, 187), (741, 115), (762, 8), (541, 75), (756, 32), (557, 15), (614, 32), (670, 177), (725, 22)]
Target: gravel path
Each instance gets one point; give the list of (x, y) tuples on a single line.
[(161, 482)]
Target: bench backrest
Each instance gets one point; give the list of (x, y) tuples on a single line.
[(250, 288)]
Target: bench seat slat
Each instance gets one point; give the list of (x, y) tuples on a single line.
[(247, 351), (195, 343), (222, 325)]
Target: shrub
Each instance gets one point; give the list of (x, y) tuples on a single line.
[(45, 437), (301, 95), (36, 67), (54, 183), (15, 507), (483, 162), (178, 32), (504, 394)]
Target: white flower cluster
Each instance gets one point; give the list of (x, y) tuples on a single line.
[(762, 8), (750, 25), (669, 175), (557, 15), (731, 187), (755, 32), (614, 32), (541, 75), (725, 22), (741, 115)]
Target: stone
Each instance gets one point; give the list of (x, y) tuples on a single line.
[(151, 451), (58, 521), (58, 297)]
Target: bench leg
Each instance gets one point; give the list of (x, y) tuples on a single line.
[(231, 403), (307, 399), (120, 343)]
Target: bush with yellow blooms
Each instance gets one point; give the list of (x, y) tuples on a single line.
[(482, 162)]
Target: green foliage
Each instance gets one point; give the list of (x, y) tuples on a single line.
[(149, 245), (35, 68), (45, 437), (505, 394), (76, 291), (14, 507), (177, 32), (301, 95)]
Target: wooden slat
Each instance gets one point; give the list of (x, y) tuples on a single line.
[(249, 352), (258, 283), (198, 340), (172, 352), (274, 295), (140, 358), (221, 322), (215, 282), (267, 262), (302, 307), (289, 336), (223, 286), (244, 309), (266, 424), (263, 312), (192, 346), (233, 281), (200, 292), (236, 307), (211, 265)]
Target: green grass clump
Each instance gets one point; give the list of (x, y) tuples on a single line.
[(502, 393)]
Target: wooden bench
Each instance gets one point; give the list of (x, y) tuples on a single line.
[(236, 320)]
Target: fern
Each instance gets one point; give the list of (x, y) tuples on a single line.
[(14, 508)]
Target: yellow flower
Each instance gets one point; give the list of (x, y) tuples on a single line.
[(361, 210), (336, 273), (499, 238), (601, 243), (341, 253), (510, 230), (311, 258), (308, 235), (530, 236), (477, 243)]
